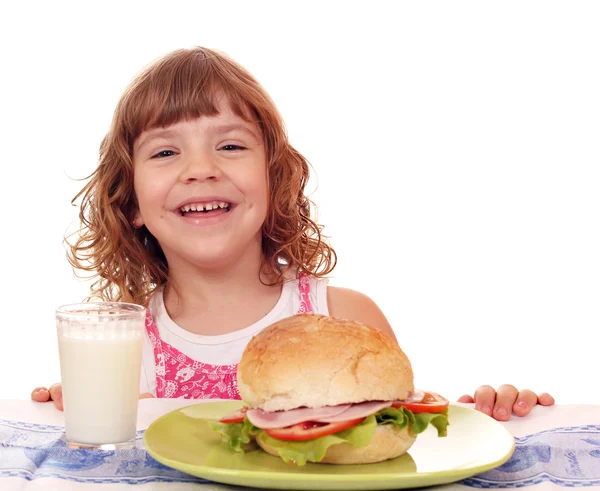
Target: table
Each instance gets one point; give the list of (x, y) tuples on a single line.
[(556, 447)]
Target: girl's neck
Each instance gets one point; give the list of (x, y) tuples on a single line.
[(213, 302)]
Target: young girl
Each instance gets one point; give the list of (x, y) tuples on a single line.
[(197, 210)]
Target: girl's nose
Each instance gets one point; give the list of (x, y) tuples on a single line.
[(200, 168)]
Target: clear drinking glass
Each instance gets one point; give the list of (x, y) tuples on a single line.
[(100, 348)]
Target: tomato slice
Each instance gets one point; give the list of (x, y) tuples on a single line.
[(310, 430), (236, 417), (431, 403)]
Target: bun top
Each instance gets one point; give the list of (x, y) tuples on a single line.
[(312, 361)]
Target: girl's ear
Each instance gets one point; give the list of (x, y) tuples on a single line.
[(138, 221)]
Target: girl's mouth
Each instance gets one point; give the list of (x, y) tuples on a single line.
[(196, 210)]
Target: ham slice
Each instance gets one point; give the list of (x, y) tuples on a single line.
[(355, 411), (416, 396), (281, 419)]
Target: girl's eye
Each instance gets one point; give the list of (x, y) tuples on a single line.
[(232, 147), (163, 153)]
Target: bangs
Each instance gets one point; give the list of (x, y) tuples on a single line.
[(187, 85)]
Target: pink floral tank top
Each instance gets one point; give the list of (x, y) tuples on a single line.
[(179, 376)]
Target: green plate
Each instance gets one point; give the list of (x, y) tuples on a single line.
[(183, 441)]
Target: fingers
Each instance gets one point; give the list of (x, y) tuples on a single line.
[(485, 397), (146, 395), (57, 396), (505, 399), (545, 399), (54, 394), (466, 398), (525, 402), (40, 394)]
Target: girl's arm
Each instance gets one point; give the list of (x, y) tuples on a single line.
[(356, 306), (353, 305)]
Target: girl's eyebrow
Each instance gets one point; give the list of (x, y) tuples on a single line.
[(150, 135), (229, 128)]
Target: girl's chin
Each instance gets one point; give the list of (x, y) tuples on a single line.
[(214, 259)]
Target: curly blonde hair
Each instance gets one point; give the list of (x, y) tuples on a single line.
[(127, 262)]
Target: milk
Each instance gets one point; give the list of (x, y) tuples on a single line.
[(100, 371)]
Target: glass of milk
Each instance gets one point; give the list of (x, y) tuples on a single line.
[(100, 349)]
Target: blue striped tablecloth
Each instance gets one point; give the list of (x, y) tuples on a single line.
[(34, 455)]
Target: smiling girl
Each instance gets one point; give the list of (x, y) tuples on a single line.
[(197, 210)]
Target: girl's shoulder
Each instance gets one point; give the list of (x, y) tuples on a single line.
[(354, 305)]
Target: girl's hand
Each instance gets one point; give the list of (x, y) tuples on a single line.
[(500, 405), (54, 394)]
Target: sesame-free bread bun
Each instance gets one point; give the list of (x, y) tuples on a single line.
[(312, 361), (388, 443)]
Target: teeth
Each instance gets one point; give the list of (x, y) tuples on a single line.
[(202, 207)]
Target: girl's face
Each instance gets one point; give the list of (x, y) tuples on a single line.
[(201, 187)]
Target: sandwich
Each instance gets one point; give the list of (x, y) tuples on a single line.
[(327, 390)]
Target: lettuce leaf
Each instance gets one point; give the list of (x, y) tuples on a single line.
[(299, 453), (240, 436), (417, 422)]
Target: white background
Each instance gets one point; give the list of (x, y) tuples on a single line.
[(456, 155)]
